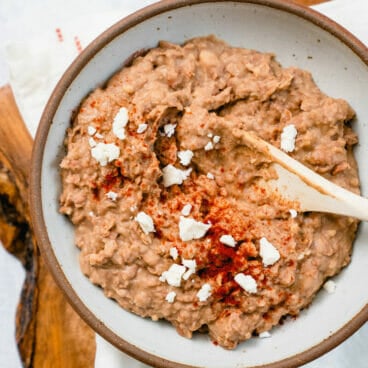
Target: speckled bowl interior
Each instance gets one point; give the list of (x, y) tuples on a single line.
[(299, 37)]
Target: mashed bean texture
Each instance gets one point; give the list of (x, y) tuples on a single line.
[(169, 215)]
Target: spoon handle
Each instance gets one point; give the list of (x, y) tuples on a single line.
[(312, 191), (340, 201)]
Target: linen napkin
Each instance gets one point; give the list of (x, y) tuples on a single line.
[(36, 63)]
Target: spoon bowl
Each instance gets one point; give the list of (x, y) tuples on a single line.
[(311, 191)]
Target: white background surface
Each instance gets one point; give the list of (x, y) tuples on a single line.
[(21, 20)]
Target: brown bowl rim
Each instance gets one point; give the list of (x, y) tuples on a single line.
[(40, 140)]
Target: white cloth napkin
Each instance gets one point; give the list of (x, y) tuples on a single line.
[(36, 63)]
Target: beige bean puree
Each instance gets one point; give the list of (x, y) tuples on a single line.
[(169, 215)]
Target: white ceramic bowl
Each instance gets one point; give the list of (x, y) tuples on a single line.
[(298, 36)]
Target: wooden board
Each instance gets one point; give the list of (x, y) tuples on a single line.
[(48, 331)]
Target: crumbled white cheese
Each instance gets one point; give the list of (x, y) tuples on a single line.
[(210, 176), (105, 153), (301, 256), (228, 240), (91, 130), (145, 222), (190, 229), (98, 135), (133, 208), (247, 282), (204, 292), (188, 273), (112, 195), (268, 252), (172, 175), (288, 137), (264, 335), (142, 128), (185, 157), (169, 129), (208, 146), (216, 139), (330, 286), (191, 264), (293, 213), (173, 275), (91, 213), (92, 142), (120, 121), (186, 209), (170, 297), (209, 135), (174, 253)]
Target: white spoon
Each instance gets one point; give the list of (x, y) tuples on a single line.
[(298, 183)]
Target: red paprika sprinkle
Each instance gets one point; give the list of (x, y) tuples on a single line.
[(95, 191), (112, 179)]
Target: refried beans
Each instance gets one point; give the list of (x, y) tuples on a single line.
[(169, 213)]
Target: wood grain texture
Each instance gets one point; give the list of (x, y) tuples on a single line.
[(49, 333)]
